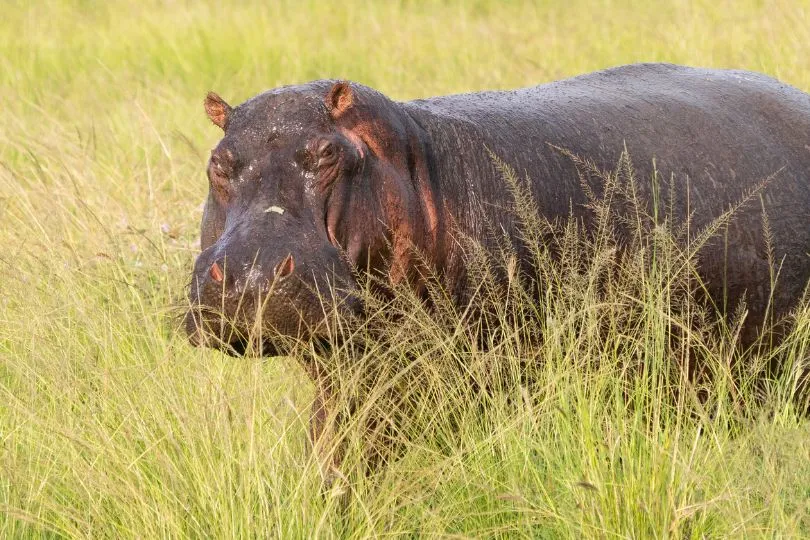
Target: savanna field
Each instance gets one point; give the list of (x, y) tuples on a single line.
[(112, 426)]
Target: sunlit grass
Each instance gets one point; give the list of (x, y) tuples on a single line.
[(112, 426)]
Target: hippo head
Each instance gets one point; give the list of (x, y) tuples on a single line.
[(310, 185)]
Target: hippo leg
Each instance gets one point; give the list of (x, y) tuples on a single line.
[(322, 434)]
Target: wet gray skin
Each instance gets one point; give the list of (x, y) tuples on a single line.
[(314, 180)]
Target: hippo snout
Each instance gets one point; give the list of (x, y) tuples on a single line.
[(261, 300), (218, 277), (230, 285)]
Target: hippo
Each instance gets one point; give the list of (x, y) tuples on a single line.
[(315, 184)]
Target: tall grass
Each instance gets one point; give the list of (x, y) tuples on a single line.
[(575, 418)]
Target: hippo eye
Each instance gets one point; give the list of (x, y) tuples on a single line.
[(220, 183), (326, 153)]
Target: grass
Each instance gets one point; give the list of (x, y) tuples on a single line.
[(112, 426)]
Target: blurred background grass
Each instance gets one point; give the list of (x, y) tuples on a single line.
[(110, 425)]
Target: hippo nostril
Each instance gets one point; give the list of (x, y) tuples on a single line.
[(216, 273), (285, 267)]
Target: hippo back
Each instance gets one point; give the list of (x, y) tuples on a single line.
[(714, 134)]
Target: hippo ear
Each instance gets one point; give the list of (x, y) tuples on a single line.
[(217, 110), (340, 98)]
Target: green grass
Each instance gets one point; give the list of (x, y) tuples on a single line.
[(112, 426)]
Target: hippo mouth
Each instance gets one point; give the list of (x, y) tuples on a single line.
[(207, 327), (240, 347)]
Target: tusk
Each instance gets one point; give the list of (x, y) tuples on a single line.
[(277, 209)]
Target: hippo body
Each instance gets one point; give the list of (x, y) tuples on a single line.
[(313, 181), (714, 133)]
